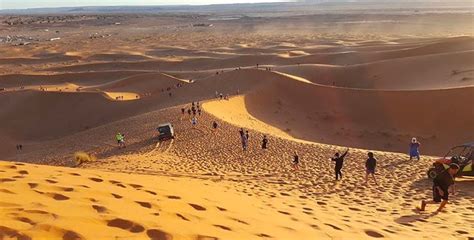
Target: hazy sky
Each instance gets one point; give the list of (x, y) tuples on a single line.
[(15, 4)]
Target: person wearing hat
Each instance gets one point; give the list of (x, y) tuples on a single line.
[(441, 185), (414, 149)]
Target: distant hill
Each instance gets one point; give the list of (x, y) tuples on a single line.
[(303, 6)]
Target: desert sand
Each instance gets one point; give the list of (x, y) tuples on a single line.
[(315, 92)]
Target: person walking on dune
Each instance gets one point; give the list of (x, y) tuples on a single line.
[(441, 185), (370, 165), (241, 132), (296, 161), (264, 142), (243, 139), (194, 121), (339, 159), (414, 149), (119, 139)]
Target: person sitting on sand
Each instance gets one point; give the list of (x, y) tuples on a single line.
[(264, 142), (441, 185), (183, 110), (189, 112), (414, 149), (296, 161), (194, 121), (199, 111), (370, 165), (214, 125), (339, 159)]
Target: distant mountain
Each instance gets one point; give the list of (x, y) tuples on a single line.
[(304, 5)]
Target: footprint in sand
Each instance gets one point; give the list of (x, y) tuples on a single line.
[(285, 213), (57, 196), (197, 207), (374, 234), (223, 227), (116, 196), (126, 225), (335, 227), (240, 221), (144, 204), (99, 209), (96, 179), (6, 191), (23, 172), (151, 192), (70, 235), (173, 197), (201, 237), (65, 189), (8, 233), (2, 180), (136, 186), (51, 181), (182, 217), (26, 220), (221, 209), (33, 185), (155, 234)]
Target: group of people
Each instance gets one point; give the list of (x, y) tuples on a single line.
[(370, 165), (443, 184), (221, 96), (194, 110), (19, 147)]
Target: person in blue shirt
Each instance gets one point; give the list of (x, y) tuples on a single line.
[(414, 149)]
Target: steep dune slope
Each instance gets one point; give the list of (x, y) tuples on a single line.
[(421, 72), (383, 120)]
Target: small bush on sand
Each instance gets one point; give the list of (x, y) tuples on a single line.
[(83, 157)]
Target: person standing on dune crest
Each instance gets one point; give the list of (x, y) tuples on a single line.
[(370, 165), (339, 159), (441, 184), (414, 149)]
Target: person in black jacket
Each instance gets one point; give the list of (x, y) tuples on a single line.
[(441, 184), (370, 165), (264, 142), (339, 159)]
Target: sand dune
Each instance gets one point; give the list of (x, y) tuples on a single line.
[(430, 73), (386, 117), (319, 87)]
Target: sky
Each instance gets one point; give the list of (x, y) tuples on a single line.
[(21, 4)]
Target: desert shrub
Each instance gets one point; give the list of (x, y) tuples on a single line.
[(83, 157)]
